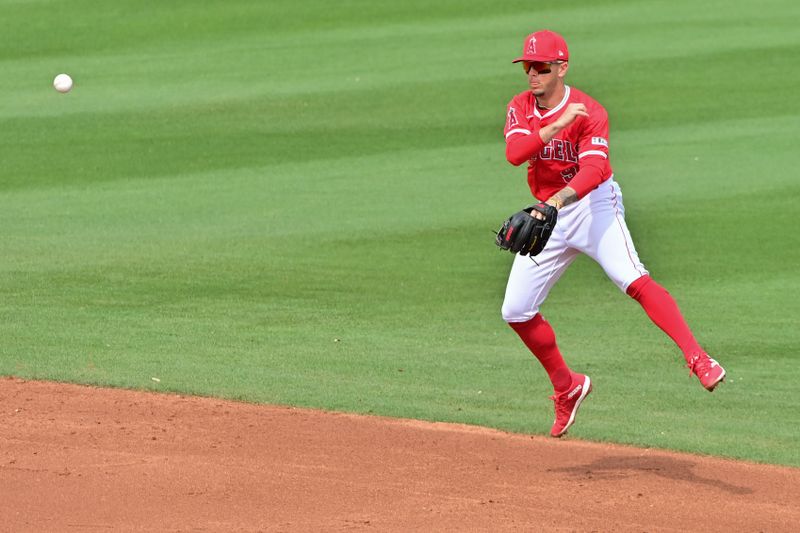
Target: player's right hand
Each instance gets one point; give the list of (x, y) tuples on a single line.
[(569, 115)]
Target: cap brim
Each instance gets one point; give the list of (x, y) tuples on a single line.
[(545, 59)]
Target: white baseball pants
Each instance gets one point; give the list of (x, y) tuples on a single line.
[(595, 226)]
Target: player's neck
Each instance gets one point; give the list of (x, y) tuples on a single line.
[(549, 101)]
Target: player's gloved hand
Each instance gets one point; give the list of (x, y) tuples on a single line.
[(525, 234)]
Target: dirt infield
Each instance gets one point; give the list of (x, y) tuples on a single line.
[(76, 458)]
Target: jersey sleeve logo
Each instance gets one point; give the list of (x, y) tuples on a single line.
[(599, 141), (511, 120)]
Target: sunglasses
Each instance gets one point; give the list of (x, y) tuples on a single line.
[(541, 67)]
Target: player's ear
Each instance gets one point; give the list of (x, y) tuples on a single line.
[(562, 69)]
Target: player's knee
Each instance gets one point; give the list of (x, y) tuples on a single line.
[(514, 312), (635, 289)]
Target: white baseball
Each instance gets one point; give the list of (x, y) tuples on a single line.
[(62, 83)]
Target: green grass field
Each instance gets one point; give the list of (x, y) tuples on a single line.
[(292, 203)]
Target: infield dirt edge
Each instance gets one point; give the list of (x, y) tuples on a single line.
[(150, 461)]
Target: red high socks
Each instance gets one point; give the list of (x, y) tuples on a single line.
[(540, 339), (664, 312)]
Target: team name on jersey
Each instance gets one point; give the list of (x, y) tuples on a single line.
[(559, 150)]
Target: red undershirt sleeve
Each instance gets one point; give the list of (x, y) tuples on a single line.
[(520, 148), (593, 155), (593, 172), (522, 137)]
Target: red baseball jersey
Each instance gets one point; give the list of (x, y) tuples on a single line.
[(559, 161)]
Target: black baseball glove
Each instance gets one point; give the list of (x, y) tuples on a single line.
[(525, 234)]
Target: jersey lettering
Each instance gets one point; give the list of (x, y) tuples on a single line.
[(571, 154), (559, 150), (569, 173)]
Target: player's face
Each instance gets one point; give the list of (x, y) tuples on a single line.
[(544, 77)]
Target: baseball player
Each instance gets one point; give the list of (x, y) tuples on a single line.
[(562, 133)]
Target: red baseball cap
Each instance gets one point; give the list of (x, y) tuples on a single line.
[(544, 45)]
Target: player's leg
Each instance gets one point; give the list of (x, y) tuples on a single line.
[(664, 312), (529, 283), (603, 235), (608, 241)]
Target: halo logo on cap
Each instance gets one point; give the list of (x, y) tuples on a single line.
[(531, 45)]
